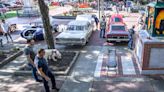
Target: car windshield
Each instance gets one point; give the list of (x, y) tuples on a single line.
[(117, 20), (74, 28), (118, 28)]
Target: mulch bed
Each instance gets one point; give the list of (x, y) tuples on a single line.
[(60, 65)]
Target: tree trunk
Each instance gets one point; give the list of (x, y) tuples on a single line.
[(46, 23)]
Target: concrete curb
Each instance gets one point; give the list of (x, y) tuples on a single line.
[(10, 58), (66, 72), (64, 17)]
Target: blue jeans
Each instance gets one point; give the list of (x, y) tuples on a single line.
[(130, 44), (34, 73), (52, 77), (102, 33)]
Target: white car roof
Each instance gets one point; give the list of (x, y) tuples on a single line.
[(78, 23), (86, 17)]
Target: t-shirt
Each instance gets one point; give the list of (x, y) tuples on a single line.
[(103, 24), (131, 33), (29, 51), (41, 63), (5, 27), (140, 20)]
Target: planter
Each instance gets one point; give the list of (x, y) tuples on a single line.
[(61, 67)]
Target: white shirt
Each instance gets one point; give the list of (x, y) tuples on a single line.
[(5, 27)]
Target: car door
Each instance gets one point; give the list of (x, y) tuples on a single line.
[(89, 30)]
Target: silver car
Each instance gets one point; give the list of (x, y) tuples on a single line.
[(77, 33)]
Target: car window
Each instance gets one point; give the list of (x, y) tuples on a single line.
[(73, 28), (29, 32), (118, 28), (70, 27), (79, 27), (117, 19)]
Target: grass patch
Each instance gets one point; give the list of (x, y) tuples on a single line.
[(9, 14)]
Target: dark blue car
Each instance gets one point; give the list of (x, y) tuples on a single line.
[(35, 33)]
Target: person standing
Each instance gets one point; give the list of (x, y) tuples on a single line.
[(6, 30), (44, 71), (140, 22), (131, 38), (30, 55), (102, 27)]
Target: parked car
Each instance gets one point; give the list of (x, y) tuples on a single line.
[(13, 5), (77, 33), (55, 3), (87, 17), (117, 32), (54, 24), (3, 8), (33, 32)]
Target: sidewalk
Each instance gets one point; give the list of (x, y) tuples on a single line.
[(82, 79)]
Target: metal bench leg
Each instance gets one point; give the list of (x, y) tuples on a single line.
[(1, 42)]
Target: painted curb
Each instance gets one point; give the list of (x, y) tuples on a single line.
[(10, 58)]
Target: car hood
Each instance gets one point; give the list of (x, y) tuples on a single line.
[(72, 34)]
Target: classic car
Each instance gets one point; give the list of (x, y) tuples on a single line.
[(3, 9), (117, 32), (13, 5), (77, 33), (33, 32), (88, 17)]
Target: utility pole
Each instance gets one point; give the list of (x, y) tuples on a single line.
[(99, 8)]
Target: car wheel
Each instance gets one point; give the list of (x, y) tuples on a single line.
[(108, 41)]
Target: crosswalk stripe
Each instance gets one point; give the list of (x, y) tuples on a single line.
[(127, 65), (98, 66)]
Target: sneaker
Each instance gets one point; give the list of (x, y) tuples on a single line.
[(39, 80)]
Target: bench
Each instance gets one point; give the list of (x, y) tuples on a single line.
[(112, 59), (112, 62)]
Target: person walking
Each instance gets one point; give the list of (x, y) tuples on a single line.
[(102, 27), (6, 30), (30, 55), (131, 38), (44, 71)]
